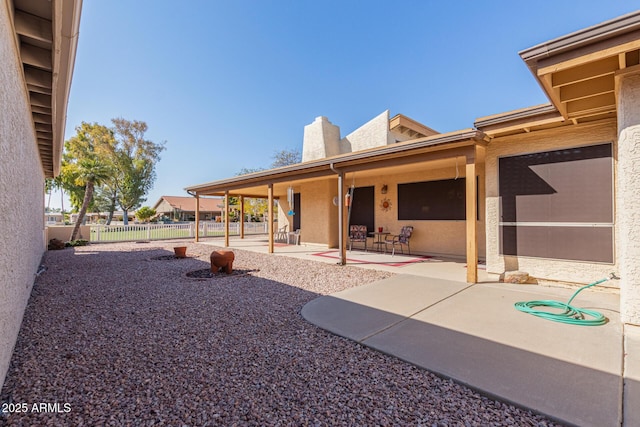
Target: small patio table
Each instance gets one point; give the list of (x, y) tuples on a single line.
[(379, 239)]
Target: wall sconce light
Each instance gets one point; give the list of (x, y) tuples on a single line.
[(383, 190)]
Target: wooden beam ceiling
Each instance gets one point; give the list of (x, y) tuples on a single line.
[(34, 30)]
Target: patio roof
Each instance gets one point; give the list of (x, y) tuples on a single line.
[(436, 147), (578, 74)]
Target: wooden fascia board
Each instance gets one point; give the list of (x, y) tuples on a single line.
[(585, 55), (493, 130), (354, 161), (458, 150), (66, 26)]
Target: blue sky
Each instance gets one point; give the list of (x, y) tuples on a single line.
[(226, 84)]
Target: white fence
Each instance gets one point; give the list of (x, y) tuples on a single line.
[(134, 232)]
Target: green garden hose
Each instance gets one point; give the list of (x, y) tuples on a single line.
[(571, 314)]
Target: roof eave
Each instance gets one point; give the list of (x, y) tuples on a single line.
[(325, 166), (66, 27)]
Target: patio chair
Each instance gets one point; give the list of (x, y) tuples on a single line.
[(399, 240), (281, 235), (293, 236), (357, 233)]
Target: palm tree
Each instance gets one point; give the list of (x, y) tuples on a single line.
[(86, 163)]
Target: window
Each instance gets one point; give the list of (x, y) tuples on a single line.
[(433, 200), (558, 204)]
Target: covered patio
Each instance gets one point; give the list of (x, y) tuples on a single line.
[(323, 184)]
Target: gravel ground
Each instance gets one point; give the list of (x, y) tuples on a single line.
[(116, 337)]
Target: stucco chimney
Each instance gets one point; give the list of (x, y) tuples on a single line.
[(321, 139)]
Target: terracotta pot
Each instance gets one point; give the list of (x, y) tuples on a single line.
[(222, 260), (181, 251)]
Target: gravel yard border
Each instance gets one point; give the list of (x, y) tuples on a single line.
[(120, 339)]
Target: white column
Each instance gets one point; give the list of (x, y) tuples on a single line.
[(628, 196)]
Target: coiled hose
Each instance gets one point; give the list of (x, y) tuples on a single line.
[(571, 315)]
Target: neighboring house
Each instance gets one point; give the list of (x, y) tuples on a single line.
[(550, 190), (183, 208), (101, 217), (53, 218), (38, 42)]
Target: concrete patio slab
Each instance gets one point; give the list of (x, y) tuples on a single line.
[(474, 335), (358, 313)]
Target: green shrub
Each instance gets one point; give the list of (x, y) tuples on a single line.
[(77, 242)]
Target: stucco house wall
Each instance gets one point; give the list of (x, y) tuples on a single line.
[(430, 237), (21, 190), (318, 215), (374, 133), (551, 269), (628, 202)]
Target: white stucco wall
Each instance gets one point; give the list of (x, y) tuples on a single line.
[(374, 133), (549, 269), (627, 199), (321, 139), (21, 196)]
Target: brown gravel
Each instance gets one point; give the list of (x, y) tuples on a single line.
[(126, 339)]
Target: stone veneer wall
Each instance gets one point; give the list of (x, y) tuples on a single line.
[(21, 195), (550, 269)]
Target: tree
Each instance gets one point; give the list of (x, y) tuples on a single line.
[(134, 159), (145, 213), (48, 190), (257, 207), (286, 158), (85, 163)]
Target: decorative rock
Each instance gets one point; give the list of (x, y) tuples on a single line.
[(222, 260), (518, 277)]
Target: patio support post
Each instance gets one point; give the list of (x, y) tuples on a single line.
[(270, 216), (226, 218), (341, 222), (472, 226), (242, 217), (197, 218)]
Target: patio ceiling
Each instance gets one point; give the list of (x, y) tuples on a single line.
[(434, 151), (46, 35), (577, 72)]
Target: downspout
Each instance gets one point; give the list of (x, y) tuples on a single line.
[(341, 246)]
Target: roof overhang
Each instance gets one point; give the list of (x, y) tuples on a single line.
[(577, 73), (435, 147), (47, 36)]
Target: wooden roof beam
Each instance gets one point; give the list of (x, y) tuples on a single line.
[(36, 56), (38, 89), (587, 88), (37, 77), (41, 110), (573, 75), (33, 27), (42, 127), (41, 118), (40, 100), (592, 105)]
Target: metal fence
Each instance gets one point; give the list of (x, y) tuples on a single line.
[(135, 232)]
